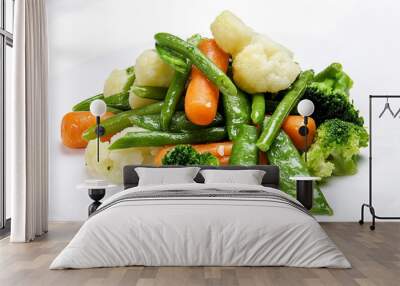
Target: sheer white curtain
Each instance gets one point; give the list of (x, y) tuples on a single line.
[(27, 147)]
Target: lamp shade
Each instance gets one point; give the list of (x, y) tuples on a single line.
[(98, 107), (305, 107)]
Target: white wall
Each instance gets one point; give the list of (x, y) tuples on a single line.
[(90, 38)]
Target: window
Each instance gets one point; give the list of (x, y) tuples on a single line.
[(6, 44)]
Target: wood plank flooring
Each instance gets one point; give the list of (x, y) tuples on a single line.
[(375, 257)]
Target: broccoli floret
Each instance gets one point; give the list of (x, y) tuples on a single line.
[(329, 91), (336, 148), (208, 159), (186, 155)]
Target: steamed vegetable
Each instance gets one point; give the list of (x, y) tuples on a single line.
[(176, 88), (201, 99), (119, 81), (184, 155), (237, 112), (121, 121), (292, 125), (335, 149), (206, 66), (84, 105), (179, 123), (157, 138), (258, 108), (74, 124), (231, 34), (329, 91), (151, 92), (284, 155), (116, 102), (292, 96), (175, 60), (172, 98), (152, 71), (221, 150), (259, 64), (244, 150)]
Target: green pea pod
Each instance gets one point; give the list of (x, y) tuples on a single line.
[(244, 150), (157, 138), (151, 92), (289, 101), (209, 69), (121, 121), (237, 112), (258, 108), (175, 90), (172, 98), (284, 154), (172, 58)]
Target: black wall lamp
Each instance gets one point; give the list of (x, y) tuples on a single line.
[(98, 108)]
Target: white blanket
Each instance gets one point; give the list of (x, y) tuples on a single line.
[(188, 231)]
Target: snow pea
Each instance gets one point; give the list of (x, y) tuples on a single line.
[(289, 101), (258, 108), (284, 154), (158, 138), (244, 150), (237, 112)]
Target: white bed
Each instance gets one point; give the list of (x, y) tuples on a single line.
[(201, 224)]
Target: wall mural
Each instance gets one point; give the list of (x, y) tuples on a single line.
[(230, 101)]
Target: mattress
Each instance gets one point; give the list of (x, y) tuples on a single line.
[(201, 225)]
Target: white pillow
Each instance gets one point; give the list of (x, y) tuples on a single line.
[(166, 176), (247, 177)]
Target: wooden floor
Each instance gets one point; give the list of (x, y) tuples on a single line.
[(375, 257)]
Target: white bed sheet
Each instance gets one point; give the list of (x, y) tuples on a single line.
[(199, 232)]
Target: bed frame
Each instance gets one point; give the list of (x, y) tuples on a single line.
[(271, 177)]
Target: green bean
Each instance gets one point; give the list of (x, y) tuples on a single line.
[(289, 101), (172, 58), (85, 104), (244, 150), (258, 108), (121, 120), (157, 138), (151, 92), (237, 112)]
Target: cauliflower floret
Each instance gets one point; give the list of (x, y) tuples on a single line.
[(137, 101), (259, 63), (152, 71), (118, 81), (259, 68), (112, 162), (230, 33)]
